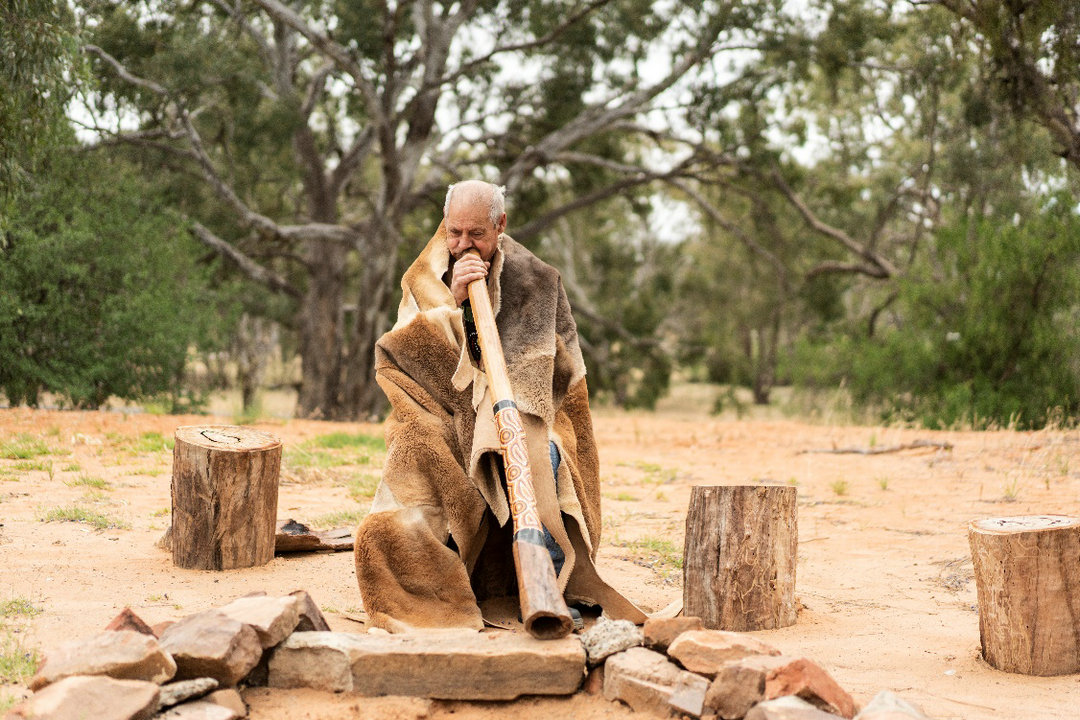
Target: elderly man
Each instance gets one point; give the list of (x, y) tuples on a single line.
[(438, 539)]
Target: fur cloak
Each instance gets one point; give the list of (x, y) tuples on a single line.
[(438, 538)]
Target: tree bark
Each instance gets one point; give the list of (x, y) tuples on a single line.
[(1028, 583), (739, 557), (224, 497)]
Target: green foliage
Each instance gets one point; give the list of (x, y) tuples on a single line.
[(23, 447), (987, 329), (37, 63), (99, 291), (18, 607), (17, 663)]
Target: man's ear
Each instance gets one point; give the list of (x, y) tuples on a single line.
[(501, 225)]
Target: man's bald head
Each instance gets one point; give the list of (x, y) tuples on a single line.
[(477, 192), (474, 218)]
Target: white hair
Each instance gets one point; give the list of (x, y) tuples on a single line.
[(498, 200)]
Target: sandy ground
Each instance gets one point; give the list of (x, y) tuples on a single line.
[(884, 571)]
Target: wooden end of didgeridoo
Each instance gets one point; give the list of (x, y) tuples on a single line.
[(543, 609)]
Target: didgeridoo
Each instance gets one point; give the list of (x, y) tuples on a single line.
[(543, 609)]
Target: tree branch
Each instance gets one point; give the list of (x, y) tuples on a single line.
[(878, 266), (331, 50), (248, 266)]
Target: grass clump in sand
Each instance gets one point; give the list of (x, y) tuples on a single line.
[(342, 518), (75, 513), (23, 447)]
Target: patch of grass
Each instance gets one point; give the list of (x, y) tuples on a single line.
[(656, 474), (161, 512), (23, 447), (339, 519), (622, 497), (152, 442), (7, 702), (665, 557), (303, 459), (89, 481), (883, 483), (72, 467), (18, 607), (17, 662), (339, 440), (1011, 490), (74, 513), (840, 487), (363, 486), (32, 465)]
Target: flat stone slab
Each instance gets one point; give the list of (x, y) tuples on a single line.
[(83, 697), (120, 654), (445, 666)]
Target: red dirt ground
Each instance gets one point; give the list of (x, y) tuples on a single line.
[(884, 570)]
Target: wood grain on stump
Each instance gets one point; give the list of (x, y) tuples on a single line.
[(224, 497), (739, 557), (1027, 576)]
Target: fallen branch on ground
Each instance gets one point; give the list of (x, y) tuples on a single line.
[(917, 445)]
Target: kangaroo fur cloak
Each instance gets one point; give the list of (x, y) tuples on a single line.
[(438, 538)]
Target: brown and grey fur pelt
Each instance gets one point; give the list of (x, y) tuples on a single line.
[(437, 537)]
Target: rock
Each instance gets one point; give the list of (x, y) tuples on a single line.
[(594, 681), (608, 637), (643, 679), (688, 695), (272, 618), (311, 618), (212, 644), (128, 620), (803, 678), (890, 706), (450, 666), (98, 697), (120, 654), (661, 632), (787, 708), (318, 660), (736, 689), (199, 710), (704, 651), (229, 698), (161, 627), (183, 690)]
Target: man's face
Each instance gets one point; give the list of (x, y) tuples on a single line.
[(468, 226)]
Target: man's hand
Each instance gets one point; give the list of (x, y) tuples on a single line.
[(467, 268)]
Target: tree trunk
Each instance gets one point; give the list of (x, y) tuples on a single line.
[(224, 497), (321, 335), (739, 557), (1028, 583)]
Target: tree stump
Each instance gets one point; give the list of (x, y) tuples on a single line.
[(224, 497), (1027, 576), (739, 557)]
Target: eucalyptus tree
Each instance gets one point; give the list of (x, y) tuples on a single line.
[(326, 132)]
